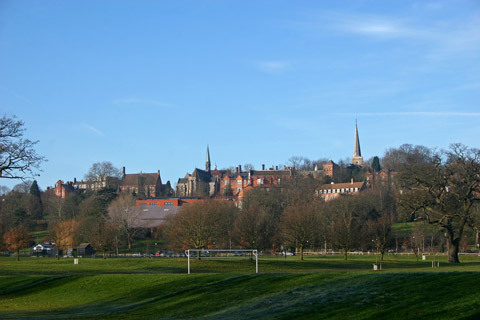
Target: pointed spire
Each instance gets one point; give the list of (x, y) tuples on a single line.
[(356, 147), (207, 162), (357, 158)]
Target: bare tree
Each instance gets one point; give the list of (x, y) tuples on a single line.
[(346, 224), (249, 226), (248, 167), (24, 186), (442, 188), (194, 226), (300, 225), (64, 233), (4, 190), (18, 158), (124, 215), (101, 170), (99, 232)]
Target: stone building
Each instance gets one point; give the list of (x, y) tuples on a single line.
[(142, 184), (357, 158), (228, 182)]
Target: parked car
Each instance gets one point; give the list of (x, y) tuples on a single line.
[(137, 254), (238, 254)]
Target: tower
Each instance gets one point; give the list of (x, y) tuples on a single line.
[(357, 158), (207, 162)]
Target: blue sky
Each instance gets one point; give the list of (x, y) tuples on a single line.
[(148, 84)]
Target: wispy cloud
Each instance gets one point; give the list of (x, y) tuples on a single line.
[(412, 113), (139, 101), (378, 27), (444, 37), (274, 66), (92, 129)]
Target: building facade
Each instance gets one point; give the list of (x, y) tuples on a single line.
[(142, 184), (333, 191)]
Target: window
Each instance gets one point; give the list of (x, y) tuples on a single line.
[(168, 204), (143, 204), (153, 204), (239, 189), (259, 181), (239, 182), (279, 180), (226, 182)]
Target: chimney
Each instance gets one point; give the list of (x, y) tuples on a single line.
[(263, 167), (123, 171), (158, 171), (276, 168), (74, 180), (239, 168), (236, 169)]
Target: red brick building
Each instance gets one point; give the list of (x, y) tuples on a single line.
[(63, 190)]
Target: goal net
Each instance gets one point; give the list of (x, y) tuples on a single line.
[(220, 253)]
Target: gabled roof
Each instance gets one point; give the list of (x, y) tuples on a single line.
[(83, 245), (132, 179), (202, 175)]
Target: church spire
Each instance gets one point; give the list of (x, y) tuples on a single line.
[(357, 158), (207, 162)]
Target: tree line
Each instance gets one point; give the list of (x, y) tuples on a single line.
[(437, 189)]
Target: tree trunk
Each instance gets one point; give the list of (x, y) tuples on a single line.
[(345, 254), (301, 252), (18, 254), (453, 246)]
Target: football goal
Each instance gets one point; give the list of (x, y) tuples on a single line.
[(220, 253)]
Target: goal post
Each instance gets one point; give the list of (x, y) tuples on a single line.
[(222, 253)]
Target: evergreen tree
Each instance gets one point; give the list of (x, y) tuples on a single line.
[(34, 189), (168, 189), (376, 164)]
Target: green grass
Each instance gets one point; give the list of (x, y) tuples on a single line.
[(403, 229), (319, 287)]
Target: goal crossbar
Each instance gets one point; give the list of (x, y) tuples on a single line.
[(253, 251)]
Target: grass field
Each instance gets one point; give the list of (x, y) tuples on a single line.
[(319, 287)]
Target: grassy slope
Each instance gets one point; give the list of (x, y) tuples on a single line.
[(155, 288)]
